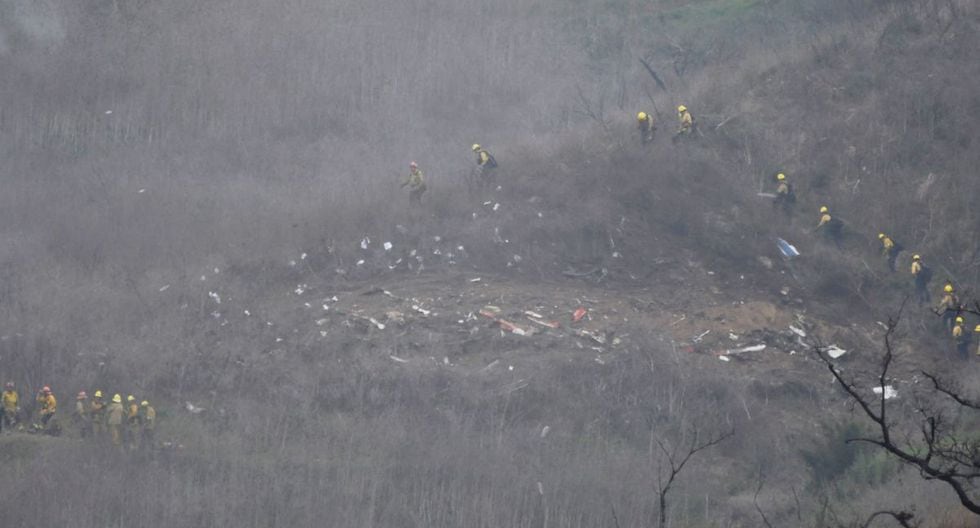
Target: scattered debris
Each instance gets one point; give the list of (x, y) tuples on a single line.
[(890, 391), (743, 350), (700, 336), (215, 297), (398, 359), (578, 314), (788, 250), (835, 351)]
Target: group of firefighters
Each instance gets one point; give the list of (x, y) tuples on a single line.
[(485, 162), (132, 424)]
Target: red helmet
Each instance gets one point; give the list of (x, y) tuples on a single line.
[(46, 389), (82, 395), (413, 165)]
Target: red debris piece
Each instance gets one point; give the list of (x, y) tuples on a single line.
[(578, 314)]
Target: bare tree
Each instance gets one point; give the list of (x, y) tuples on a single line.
[(676, 462), (939, 451)]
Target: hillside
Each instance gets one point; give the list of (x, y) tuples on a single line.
[(202, 207)]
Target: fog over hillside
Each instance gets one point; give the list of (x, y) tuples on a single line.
[(203, 207)]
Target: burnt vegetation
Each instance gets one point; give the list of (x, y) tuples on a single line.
[(197, 194)]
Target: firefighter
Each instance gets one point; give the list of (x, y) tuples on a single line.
[(961, 339), (11, 402), (49, 406), (685, 124), (416, 185), (114, 419), (485, 165), (785, 198), (889, 250), (830, 226), (149, 423), (976, 332), (96, 412), (920, 279), (644, 123), (132, 422), (949, 306), (82, 417)]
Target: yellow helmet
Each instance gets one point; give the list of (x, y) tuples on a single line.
[(130, 398), (476, 147), (116, 398), (977, 329), (959, 320), (881, 236), (144, 403), (948, 288), (642, 116), (98, 394), (780, 176), (682, 108), (823, 209), (916, 257)]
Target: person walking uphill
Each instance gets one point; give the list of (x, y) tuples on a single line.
[(685, 124), (83, 420), (785, 198), (149, 423), (949, 306), (49, 406), (920, 279), (485, 165), (961, 338), (416, 185), (644, 123), (11, 402), (96, 413), (114, 419), (829, 226), (889, 250), (132, 422)]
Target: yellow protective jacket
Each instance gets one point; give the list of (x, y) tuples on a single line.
[(10, 400), (415, 180), (134, 414), (948, 302), (149, 417), (49, 405), (916, 267), (96, 409), (115, 412), (824, 219), (482, 157), (782, 188), (887, 245), (686, 121)]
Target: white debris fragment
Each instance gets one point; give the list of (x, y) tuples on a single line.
[(292, 263), (303, 256), (445, 360), (308, 305), (540, 214), (376, 323), (517, 258), (496, 206), (398, 359), (890, 391), (164, 287), (459, 248), (798, 331), (247, 313), (360, 262), (788, 250), (215, 297), (203, 278), (617, 254), (388, 246), (732, 336), (216, 314), (700, 336), (510, 367), (323, 333), (544, 431), (724, 358), (279, 340), (217, 271), (108, 112), (300, 288), (141, 191), (437, 238), (478, 279), (488, 202), (753, 348), (835, 351), (321, 322)]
